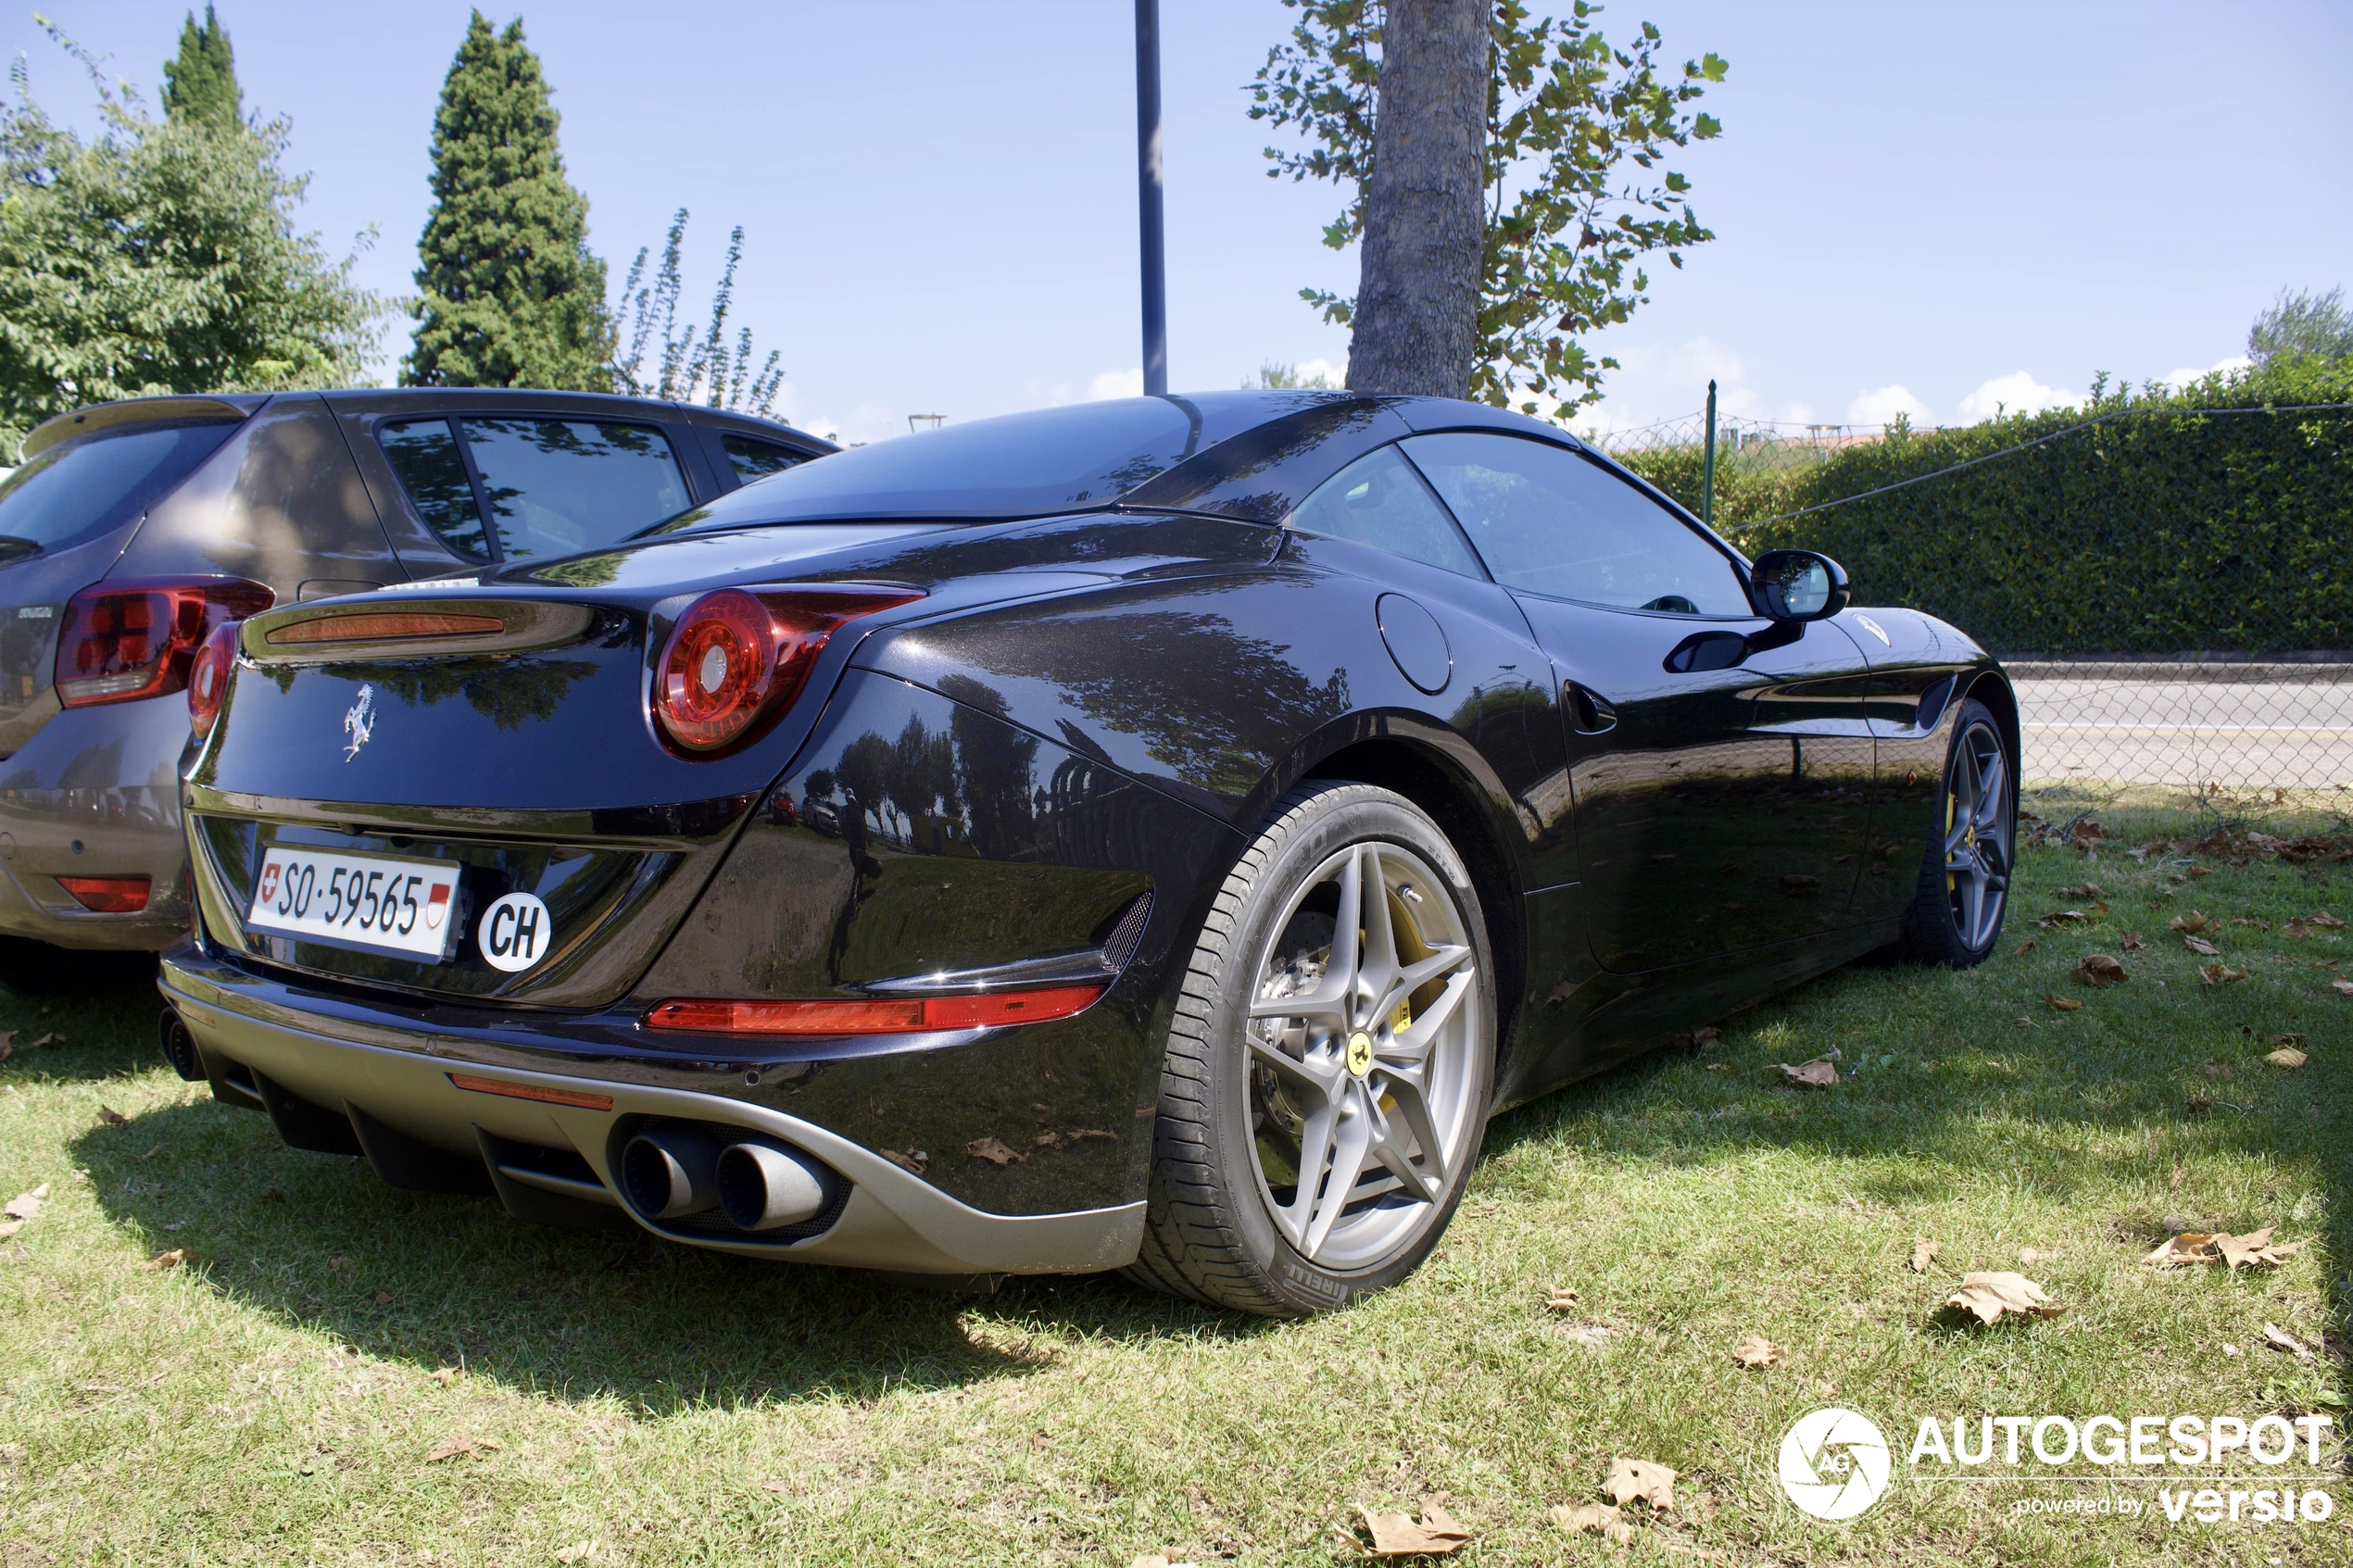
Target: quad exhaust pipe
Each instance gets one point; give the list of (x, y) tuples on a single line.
[(674, 1170)]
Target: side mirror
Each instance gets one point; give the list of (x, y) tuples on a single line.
[(1797, 585)]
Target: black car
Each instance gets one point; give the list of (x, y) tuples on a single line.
[(1155, 834), (129, 529)]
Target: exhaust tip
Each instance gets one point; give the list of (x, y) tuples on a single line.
[(180, 1047), (666, 1172), (765, 1186)]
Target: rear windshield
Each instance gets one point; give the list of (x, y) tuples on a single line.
[(82, 488), (1018, 465)]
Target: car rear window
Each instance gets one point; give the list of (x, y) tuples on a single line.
[(75, 491), (1017, 465), (554, 486)]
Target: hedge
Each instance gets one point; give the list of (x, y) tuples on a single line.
[(2165, 525)]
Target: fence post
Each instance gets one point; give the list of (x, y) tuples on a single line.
[(1708, 465)]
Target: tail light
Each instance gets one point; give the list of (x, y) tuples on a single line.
[(738, 656), (208, 677), (136, 639), (107, 895), (895, 1016)]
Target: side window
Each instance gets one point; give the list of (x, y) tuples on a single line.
[(1379, 500), (757, 459), (558, 487), (1550, 522), (424, 453)]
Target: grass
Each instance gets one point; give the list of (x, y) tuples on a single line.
[(275, 1400)]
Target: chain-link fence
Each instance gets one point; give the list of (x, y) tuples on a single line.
[(2250, 714)]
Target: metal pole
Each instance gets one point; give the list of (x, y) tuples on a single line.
[(1708, 465), (1148, 224)]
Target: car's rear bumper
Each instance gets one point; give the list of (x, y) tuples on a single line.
[(95, 792), (397, 1076)]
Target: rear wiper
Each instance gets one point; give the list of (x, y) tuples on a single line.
[(14, 548)]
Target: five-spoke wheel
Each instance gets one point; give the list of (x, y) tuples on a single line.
[(1956, 916)]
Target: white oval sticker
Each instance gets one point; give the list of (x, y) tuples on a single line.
[(515, 931)]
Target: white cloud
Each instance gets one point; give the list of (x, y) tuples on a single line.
[(1665, 383), (2221, 367), (1311, 371), (2016, 393), (1882, 405), (1116, 384)]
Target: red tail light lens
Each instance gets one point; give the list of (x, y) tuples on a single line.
[(126, 640), (738, 656), (208, 677), (107, 895), (898, 1016)]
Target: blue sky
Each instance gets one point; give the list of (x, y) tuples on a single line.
[(1925, 207)]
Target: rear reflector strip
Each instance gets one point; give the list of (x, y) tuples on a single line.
[(107, 895), (899, 1016), (539, 1092), (385, 626)]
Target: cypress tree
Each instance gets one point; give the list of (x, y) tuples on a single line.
[(201, 83), (511, 294)]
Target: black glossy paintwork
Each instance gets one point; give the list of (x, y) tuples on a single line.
[(1081, 710)]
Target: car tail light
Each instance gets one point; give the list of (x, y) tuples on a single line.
[(738, 656), (208, 677), (107, 895), (134, 638), (907, 1015)]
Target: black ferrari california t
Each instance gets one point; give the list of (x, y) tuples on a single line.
[(1153, 834)]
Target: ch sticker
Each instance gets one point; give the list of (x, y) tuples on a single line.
[(515, 933)]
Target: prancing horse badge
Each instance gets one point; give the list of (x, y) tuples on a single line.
[(361, 722)]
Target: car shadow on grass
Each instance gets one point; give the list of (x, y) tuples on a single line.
[(317, 1242)]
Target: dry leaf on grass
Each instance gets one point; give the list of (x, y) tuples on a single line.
[(458, 1448), (2100, 968), (2287, 1056), (109, 1116), (1600, 1518), (582, 1551), (2279, 1338), (1436, 1536), (162, 1261), (2322, 918), (2022, 948), (1759, 1351), (1632, 1479), (2132, 941), (2064, 1004), (784, 1488), (2255, 1250), (994, 1151), (2221, 974), (445, 1375), (26, 1205), (1990, 1295), (1562, 1299), (2343, 988), (1816, 1074), (1707, 1037), (2201, 946), (9, 1228), (2080, 890), (1924, 1253), (2058, 918), (2191, 923), (2190, 1246), (912, 1160)]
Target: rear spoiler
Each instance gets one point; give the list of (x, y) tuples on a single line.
[(227, 408)]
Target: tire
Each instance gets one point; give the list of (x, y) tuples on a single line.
[(1352, 1076), (1956, 918)]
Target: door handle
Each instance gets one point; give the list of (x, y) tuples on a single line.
[(1589, 714)]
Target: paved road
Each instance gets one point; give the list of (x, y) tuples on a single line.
[(2294, 730)]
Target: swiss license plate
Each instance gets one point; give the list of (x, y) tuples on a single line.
[(368, 901)]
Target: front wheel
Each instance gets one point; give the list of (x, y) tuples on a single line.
[(1326, 1082), (1956, 916)]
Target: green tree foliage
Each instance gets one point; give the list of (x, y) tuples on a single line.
[(2317, 324), (510, 296), (695, 367), (1281, 375), (200, 83), (2168, 528), (1577, 129), (159, 256)]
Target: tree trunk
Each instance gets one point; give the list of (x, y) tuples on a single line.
[(1425, 233)]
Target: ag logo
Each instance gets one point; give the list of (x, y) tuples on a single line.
[(1834, 1463), (515, 931)]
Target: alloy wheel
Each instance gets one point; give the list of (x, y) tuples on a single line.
[(1978, 834)]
